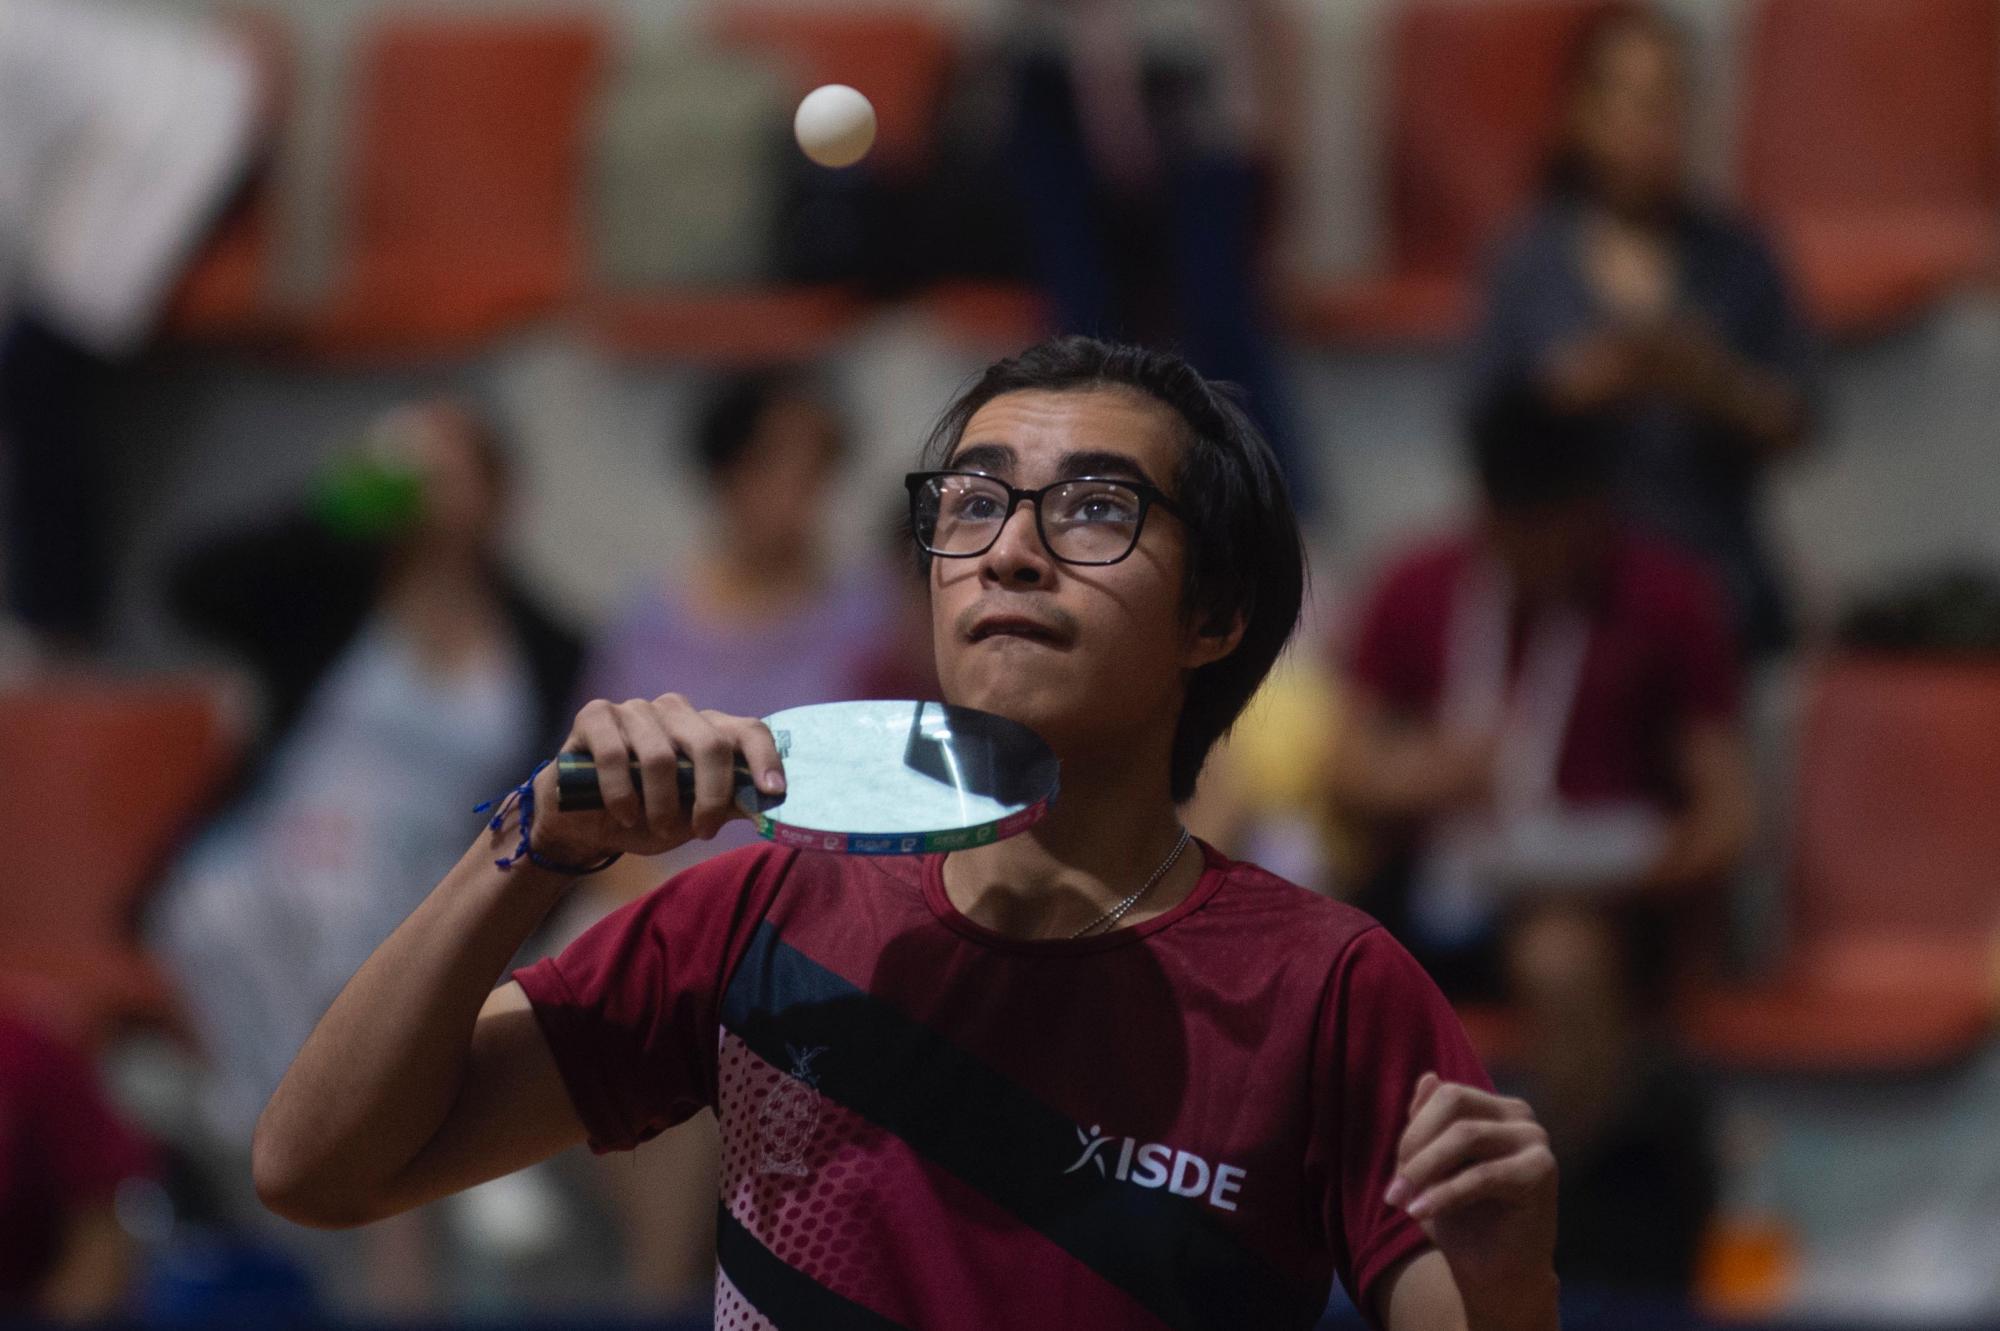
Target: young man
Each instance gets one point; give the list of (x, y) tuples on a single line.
[(1090, 1076)]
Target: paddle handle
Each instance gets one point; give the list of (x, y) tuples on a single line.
[(576, 782)]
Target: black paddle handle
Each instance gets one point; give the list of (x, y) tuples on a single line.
[(576, 782)]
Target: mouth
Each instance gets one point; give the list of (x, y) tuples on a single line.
[(1017, 628)]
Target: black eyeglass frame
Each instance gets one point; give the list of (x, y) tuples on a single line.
[(1150, 497)]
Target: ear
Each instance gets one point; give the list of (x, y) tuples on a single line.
[(1209, 642)]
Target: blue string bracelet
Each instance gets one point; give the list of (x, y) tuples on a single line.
[(522, 797)]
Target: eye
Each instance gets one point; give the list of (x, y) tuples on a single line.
[(969, 503), (1099, 504)]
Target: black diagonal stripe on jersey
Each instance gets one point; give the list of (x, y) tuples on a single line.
[(1166, 1251), (786, 1295)]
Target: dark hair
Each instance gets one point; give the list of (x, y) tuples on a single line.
[(735, 407), (1245, 554), (1566, 173), (1527, 451)]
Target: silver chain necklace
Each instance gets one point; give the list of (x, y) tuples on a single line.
[(1117, 912)]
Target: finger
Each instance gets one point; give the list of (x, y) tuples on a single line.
[(760, 752), (1449, 1102), (1465, 1142), (1426, 1086), (659, 764), (714, 759), (1508, 1179), (599, 734)]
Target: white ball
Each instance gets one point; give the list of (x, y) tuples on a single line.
[(835, 125)]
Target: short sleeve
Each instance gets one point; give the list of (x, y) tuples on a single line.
[(631, 1009), (1395, 647), (1386, 1025)]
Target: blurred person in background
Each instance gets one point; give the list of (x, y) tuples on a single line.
[(1543, 733), (1147, 139), (757, 621), (405, 675), (1626, 295), (123, 130), (64, 1152)]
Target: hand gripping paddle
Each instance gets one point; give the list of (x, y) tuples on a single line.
[(879, 778)]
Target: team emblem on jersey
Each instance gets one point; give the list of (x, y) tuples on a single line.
[(789, 1118)]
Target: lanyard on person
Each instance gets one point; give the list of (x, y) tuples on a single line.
[(1452, 897)]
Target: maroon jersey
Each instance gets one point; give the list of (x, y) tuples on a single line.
[(1185, 1124)]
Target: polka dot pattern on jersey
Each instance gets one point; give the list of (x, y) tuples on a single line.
[(797, 1173)]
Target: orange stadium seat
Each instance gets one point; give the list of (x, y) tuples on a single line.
[(465, 195), (1871, 146), (100, 782), (1473, 111), (1894, 961)]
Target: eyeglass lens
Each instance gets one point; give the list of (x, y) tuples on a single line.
[(1084, 522)]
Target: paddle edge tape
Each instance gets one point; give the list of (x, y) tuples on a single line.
[(903, 843)]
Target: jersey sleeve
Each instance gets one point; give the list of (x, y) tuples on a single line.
[(1385, 1025), (631, 1009)]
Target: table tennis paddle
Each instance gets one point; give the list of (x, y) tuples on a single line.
[(879, 778)]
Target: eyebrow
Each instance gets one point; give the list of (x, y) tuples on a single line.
[(997, 457)]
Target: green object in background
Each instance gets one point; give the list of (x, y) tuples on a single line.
[(364, 499)]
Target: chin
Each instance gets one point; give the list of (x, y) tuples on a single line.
[(1028, 696)]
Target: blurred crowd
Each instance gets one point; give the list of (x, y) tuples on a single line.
[(1529, 745)]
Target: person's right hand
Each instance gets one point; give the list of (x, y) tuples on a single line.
[(656, 735)]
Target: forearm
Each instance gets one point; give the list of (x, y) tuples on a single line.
[(380, 1073)]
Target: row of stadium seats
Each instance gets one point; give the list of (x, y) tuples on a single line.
[(1868, 140), (1893, 961)]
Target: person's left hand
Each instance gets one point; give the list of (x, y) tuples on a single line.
[(1475, 1170)]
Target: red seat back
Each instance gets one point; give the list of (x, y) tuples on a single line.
[(470, 142), (97, 781), (1865, 104), (1476, 106), (1899, 802)]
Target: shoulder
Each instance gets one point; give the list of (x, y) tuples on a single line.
[(1424, 570), (1287, 919)]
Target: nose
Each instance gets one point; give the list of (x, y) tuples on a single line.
[(1017, 558)]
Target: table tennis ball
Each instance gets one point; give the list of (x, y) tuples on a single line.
[(835, 125)]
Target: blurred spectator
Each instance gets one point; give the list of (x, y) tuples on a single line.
[(406, 676), (755, 622), (1543, 729), (1146, 136), (122, 130), (1625, 294), (64, 1152)]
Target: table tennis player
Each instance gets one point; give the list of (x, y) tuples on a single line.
[(1094, 1075)]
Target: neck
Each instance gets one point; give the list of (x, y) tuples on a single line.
[(443, 599), (744, 584), (1112, 827)]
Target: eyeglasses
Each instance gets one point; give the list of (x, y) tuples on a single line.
[(959, 514)]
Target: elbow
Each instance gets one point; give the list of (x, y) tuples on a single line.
[(291, 1188)]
